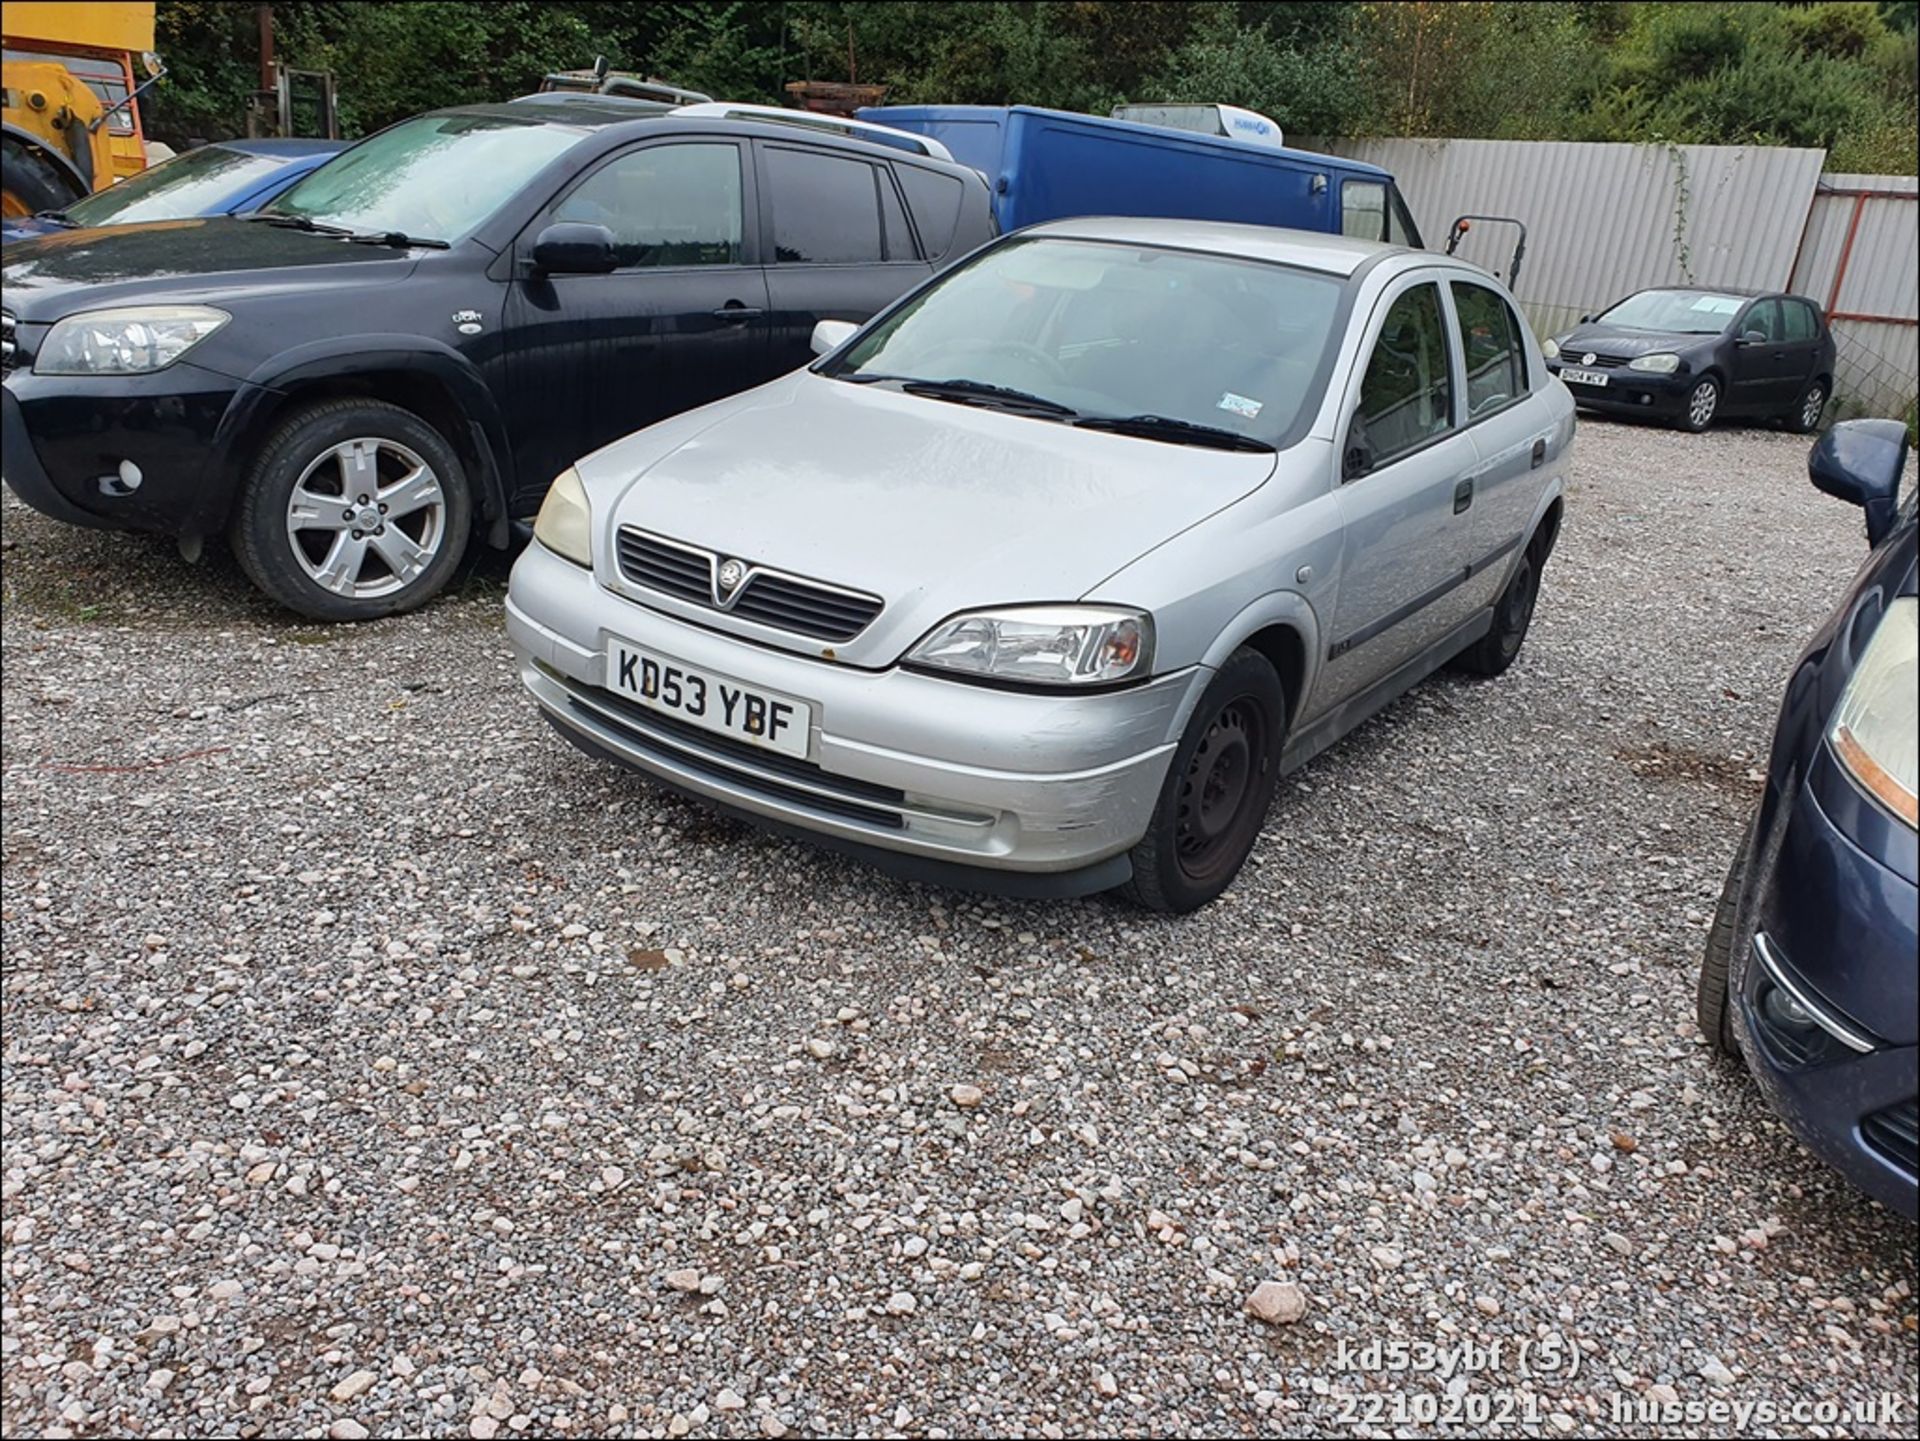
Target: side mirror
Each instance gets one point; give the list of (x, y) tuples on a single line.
[(1862, 461), (573, 248), (830, 335), (1753, 337), (1358, 460), (1586, 320)]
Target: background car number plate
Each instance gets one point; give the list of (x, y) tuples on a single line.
[(1574, 376), (713, 702)]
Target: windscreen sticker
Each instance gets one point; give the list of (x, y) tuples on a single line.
[(1240, 405), (1717, 304)]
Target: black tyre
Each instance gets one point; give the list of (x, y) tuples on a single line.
[(33, 180), (354, 509), (1703, 403), (1512, 618), (1217, 790), (1711, 1006), (1804, 418)]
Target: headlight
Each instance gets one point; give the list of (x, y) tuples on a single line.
[(1550, 348), (132, 341), (1043, 645), (1661, 362), (1876, 727), (565, 523)]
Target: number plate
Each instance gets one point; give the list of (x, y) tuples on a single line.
[(712, 702), (1573, 376)]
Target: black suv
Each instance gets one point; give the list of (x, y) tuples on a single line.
[(403, 350)]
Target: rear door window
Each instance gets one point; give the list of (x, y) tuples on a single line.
[(935, 201), (1798, 319), (893, 218), (826, 208), (1490, 343)]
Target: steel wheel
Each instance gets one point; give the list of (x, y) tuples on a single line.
[(1217, 794), (1702, 404), (366, 518)]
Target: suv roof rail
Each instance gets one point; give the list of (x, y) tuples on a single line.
[(832, 124)]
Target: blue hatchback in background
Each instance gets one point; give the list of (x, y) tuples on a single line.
[(226, 178), (1812, 968)]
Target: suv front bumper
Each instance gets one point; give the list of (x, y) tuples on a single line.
[(997, 789), (67, 437)]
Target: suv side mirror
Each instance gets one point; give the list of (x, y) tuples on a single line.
[(574, 248), (830, 335), (1862, 461)]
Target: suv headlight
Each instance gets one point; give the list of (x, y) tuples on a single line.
[(1550, 348), (135, 340), (565, 523), (1661, 362), (1876, 727), (1042, 645)]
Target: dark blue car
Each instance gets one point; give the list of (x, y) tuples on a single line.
[(224, 179), (1811, 969)]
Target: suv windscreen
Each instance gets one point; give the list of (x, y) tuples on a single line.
[(1109, 330), (1690, 312), (198, 182), (435, 176)]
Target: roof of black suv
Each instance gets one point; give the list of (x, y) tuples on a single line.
[(597, 112)]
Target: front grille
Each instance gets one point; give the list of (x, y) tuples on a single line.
[(669, 569), (1578, 359), (736, 763), (772, 598), (1895, 1133), (6, 343)]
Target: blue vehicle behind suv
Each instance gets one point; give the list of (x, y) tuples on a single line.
[(1810, 969), (228, 178)]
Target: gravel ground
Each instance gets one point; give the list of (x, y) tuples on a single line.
[(374, 1064)]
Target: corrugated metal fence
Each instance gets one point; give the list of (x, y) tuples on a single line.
[(1860, 258), (1606, 220)]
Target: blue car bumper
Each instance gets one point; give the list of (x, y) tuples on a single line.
[(1836, 940)]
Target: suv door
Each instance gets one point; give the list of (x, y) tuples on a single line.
[(680, 321), (1767, 372), (1405, 495), (838, 242)]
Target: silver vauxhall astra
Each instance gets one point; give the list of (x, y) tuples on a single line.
[(1038, 581)]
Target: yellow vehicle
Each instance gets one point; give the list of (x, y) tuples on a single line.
[(72, 112)]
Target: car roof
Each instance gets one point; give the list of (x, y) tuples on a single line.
[(1309, 250), (597, 112), (294, 149)]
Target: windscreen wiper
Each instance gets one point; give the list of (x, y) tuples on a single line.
[(58, 217), (979, 392), (297, 222), (1176, 432), (399, 240)]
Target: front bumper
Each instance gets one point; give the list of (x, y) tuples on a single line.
[(66, 438), (1010, 791), (1836, 929), (1633, 392)]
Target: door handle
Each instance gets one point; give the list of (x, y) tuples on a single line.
[(733, 310), (1463, 495), (1539, 453)]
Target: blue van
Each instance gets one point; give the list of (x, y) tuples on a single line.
[(1052, 164)]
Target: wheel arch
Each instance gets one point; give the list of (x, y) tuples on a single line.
[(435, 383), (1282, 627)]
